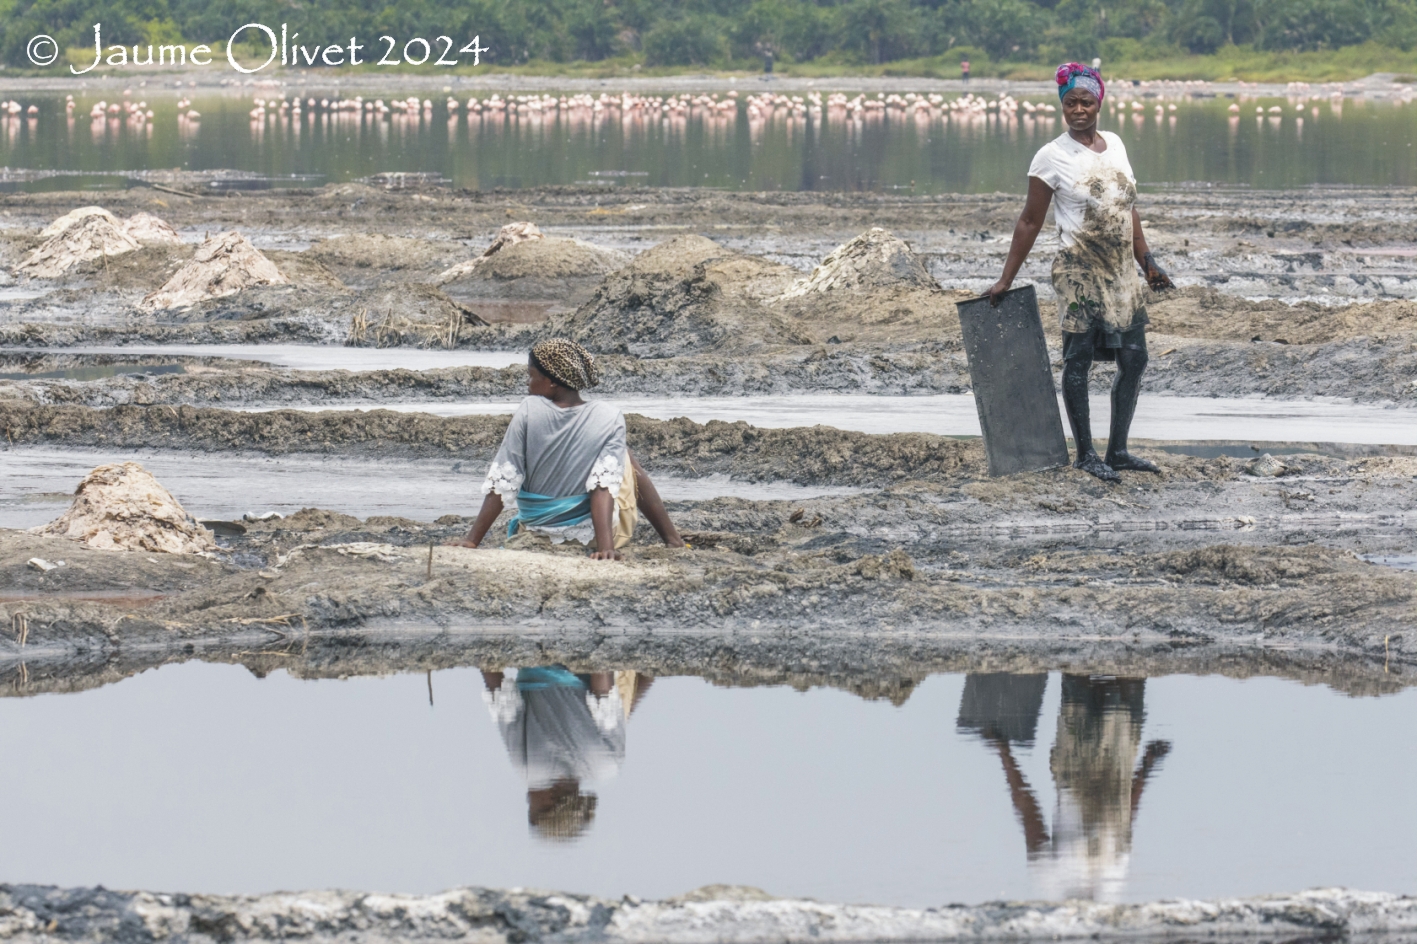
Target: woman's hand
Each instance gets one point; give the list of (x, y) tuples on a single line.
[(611, 554), (1156, 276), (491, 508), (995, 292)]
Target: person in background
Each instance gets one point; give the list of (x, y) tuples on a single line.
[(964, 69), (1085, 174), (566, 462)]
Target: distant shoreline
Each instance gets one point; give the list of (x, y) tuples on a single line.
[(1377, 85)]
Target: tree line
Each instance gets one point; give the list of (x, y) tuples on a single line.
[(736, 32)]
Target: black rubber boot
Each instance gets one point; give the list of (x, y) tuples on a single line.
[(1126, 387), (1075, 373), (1092, 464)]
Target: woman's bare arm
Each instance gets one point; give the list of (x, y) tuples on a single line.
[(1026, 230), (602, 516), (491, 508), (1156, 276)]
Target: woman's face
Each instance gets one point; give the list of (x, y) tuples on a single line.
[(1080, 108), (538, 384)]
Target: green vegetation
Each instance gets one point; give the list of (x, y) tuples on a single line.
[(1216, 39)]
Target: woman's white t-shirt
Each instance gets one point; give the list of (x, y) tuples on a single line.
[(1073, 170), (1095, 276)]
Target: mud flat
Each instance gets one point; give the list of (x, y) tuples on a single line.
[(1213, 553), (694, 293)]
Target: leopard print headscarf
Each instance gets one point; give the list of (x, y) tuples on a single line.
[(566, 362)]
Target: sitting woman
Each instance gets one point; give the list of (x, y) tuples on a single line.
[(566, 463)]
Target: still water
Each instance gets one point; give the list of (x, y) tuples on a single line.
[(1163, 417), (1308, 142), (39, 484), (205, 778)]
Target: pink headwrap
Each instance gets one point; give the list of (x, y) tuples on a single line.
[(1073, 75)]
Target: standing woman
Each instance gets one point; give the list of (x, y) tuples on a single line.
[(1101, 296)]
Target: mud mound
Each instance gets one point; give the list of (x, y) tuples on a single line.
[(121, 507), (150, 230), (877, 259), (357, 258), (303, 270), (687, 296), (672, 259), (224, 265), (533, 268), (1206, 313), (523, 264), (873, 288), (404, 314), (92, 236), (510, 235)]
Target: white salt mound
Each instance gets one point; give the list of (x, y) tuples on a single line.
[(224, 265), (121, 507), (88, 237), (73, 217), (90, 233)]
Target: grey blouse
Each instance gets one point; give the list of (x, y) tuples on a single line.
[(559, 451)]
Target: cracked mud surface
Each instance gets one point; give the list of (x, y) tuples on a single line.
[(715, 912)]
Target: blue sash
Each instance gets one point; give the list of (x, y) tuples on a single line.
[(546, 676), (536, 510)]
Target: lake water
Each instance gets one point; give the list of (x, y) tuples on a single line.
[(200, 777), (1309, 142)]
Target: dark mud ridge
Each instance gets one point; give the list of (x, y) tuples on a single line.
[(711, 914), (1367, 370), (817, 455)]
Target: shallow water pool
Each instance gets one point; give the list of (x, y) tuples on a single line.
[(203, 777), (946, 414), (39, 484)]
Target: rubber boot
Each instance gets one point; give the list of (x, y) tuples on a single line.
[(1075, 373), (1126, 387)]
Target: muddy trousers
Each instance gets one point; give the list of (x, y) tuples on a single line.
[(1077, 365)]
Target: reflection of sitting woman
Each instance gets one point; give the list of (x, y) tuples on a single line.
[(562, 729), (565, 462), (1099, 734)]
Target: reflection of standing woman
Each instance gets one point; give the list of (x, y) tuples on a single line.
[(1101, 299)]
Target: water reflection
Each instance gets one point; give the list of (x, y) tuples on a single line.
[(1098, 781), (332, 770), (561, 731)]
